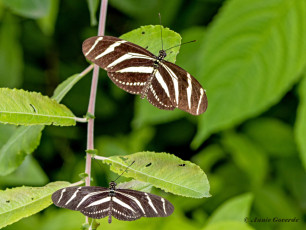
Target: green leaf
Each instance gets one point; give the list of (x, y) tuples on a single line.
[(248, 156), (21, 107), (300, 125), (29, 8), (229, 225), (272, 135), (21, 202), (163, 170), (29, 173), (47, 23), (22, 142), (93, 7), (272, 201), (253, 53), (11, 60), (63, 88), (150, 37), (136, 185), (191, 50), (235, 209)]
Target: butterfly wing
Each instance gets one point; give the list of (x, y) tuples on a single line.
[(146, 204), (182, 89), (92, 201), (128, 65)]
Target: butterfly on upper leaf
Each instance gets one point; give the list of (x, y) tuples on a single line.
[(138, 71)]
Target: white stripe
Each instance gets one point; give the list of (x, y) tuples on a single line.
[(122, 204), (175, 82), (189, 90), (150, 203), (101, 201), (73, 196), (162, 82), (89, 195), (94, 45), (164, 205), (200, 100), (64, 190), (134, 199), (110, 49), (138, 69), (128, 56)]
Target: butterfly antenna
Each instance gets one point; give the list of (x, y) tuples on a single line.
[(124, 171), (180, 44), (161, 31)]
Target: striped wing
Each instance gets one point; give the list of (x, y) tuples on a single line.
[(78, 198), (146, 204), (133, 69), (126, 204), (180, 88), (128, 65)]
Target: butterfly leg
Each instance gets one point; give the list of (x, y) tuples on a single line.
[(148, 84)]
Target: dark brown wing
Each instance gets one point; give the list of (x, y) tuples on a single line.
[(128, 65), (83, 199), (183, 90), (146, 204)]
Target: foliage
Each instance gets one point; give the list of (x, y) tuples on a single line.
[(21, 202), (185, 178), (249, 56)]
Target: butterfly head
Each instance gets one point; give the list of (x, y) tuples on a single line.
[(112, 185), (162, 55)]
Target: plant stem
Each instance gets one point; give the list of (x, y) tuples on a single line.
[(92, 99)]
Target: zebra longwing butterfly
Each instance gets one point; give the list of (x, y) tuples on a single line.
[(138, 71), (123, 204)]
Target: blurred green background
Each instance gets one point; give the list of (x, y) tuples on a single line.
[(250, 56)]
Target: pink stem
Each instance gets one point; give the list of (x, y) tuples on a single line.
[(92, 99)]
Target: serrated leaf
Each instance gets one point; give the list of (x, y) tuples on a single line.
[(21, 107), (21, 202), (29, 8), (26, 139), (22, 142), (235, 209), (253, 53), (300, 125), (11, 60), (93, 7), (164, 171)]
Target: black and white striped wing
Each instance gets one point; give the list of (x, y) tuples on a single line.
[(146, 204), (84, 199), (183, 90), (131, 67), (125, 204), (128, 65)]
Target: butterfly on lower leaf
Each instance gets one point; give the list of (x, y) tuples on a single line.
[(123, 204), (138, 71)]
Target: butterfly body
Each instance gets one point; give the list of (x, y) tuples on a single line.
[(123, 204), (138, 71)]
